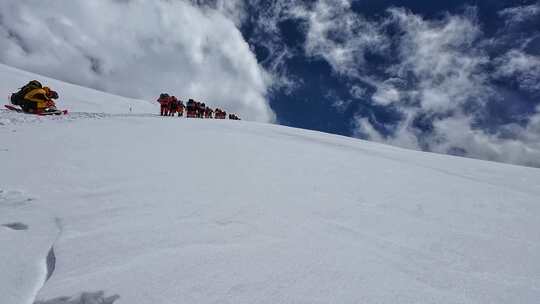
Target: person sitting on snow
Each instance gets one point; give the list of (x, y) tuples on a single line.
[(39, 100), (34, 98)]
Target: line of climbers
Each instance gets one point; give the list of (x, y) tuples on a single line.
[(38, 99), (170, 105)]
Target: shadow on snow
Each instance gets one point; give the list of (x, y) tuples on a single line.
[(97, 297)]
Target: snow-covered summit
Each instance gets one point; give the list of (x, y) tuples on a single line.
[(123, 208)]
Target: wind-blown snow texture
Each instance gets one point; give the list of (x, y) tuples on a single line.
[(143, 209)]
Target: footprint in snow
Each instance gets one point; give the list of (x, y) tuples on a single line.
[(97, 297), (16, 226), (51, 263)]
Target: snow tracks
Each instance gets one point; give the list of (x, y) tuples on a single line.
[(97, 297), (9, 118), (27, 234)]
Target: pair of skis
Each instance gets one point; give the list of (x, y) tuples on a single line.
[(45, 113)]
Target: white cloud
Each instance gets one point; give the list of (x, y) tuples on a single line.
[(447, 59), (340, 104), (340, 36), (266, 33), (448, 63), (234, 9), (522, 67), (364, 128), (138, 48), (444, 60), (386, 93), (263, 18), (519, 14), (357, 91), (522, 147), (441, 72)]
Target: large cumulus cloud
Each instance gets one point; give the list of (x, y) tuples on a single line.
[(137, 48)]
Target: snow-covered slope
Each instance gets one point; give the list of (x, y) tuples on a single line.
[(143, 209), (72, 97)]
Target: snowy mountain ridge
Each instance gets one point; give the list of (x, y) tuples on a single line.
[(108, 206)]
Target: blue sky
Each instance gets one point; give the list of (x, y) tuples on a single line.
[(453, 77), (361, 68)]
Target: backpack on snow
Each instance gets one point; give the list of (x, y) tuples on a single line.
[(18, 98)]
